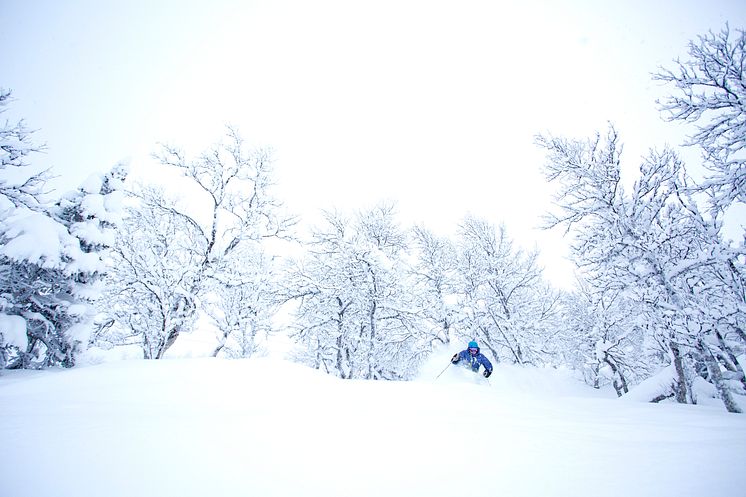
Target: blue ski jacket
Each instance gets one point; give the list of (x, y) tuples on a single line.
[(474, 361)]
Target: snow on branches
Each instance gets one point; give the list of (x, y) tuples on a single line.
[(655, 245), (710, 91), (51, 256)]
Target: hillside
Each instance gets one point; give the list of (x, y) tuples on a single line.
[(264, 427)]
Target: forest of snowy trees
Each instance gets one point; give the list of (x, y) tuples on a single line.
[(660, 290)]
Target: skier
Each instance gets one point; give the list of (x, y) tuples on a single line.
[(473, 359)]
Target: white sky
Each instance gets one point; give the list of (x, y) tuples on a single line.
[(432, 104)]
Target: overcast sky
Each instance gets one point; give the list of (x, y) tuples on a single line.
[(432, 104)]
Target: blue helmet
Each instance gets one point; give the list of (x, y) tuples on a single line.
[(473, 345)]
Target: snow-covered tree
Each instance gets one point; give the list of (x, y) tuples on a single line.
[(601, 338), (38, 259), (655, 245), (711, 92), (242, 304), (15, 146), (51, 256), (435, 276), (92, 214), (507, 305), (177, 252), (356, 316), (20, 185), (93, 211), (150, 291)]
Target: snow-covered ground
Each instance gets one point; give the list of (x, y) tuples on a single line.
[(266, 427)]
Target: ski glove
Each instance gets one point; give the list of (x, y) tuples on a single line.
[(487, 373), (454, 359)]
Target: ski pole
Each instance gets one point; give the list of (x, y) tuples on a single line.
[(444, 370)]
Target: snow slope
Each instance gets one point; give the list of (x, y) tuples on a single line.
[(264, 427)]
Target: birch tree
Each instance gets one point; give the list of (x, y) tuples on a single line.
[(652, 243), (710, 91), (356, 315), (507, 305), (435, 273), (602, 338), (242, 304), (154, 275), (182, 249)]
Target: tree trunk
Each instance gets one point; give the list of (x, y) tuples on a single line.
[(217, 349), (221, 343), (166, 344), (680, 388), (731, 361), (340, 368), (596, 378), (340, 331), (372, 351), (620, 382), (713, 367)]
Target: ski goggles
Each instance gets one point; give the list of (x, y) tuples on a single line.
[(473, 350)]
